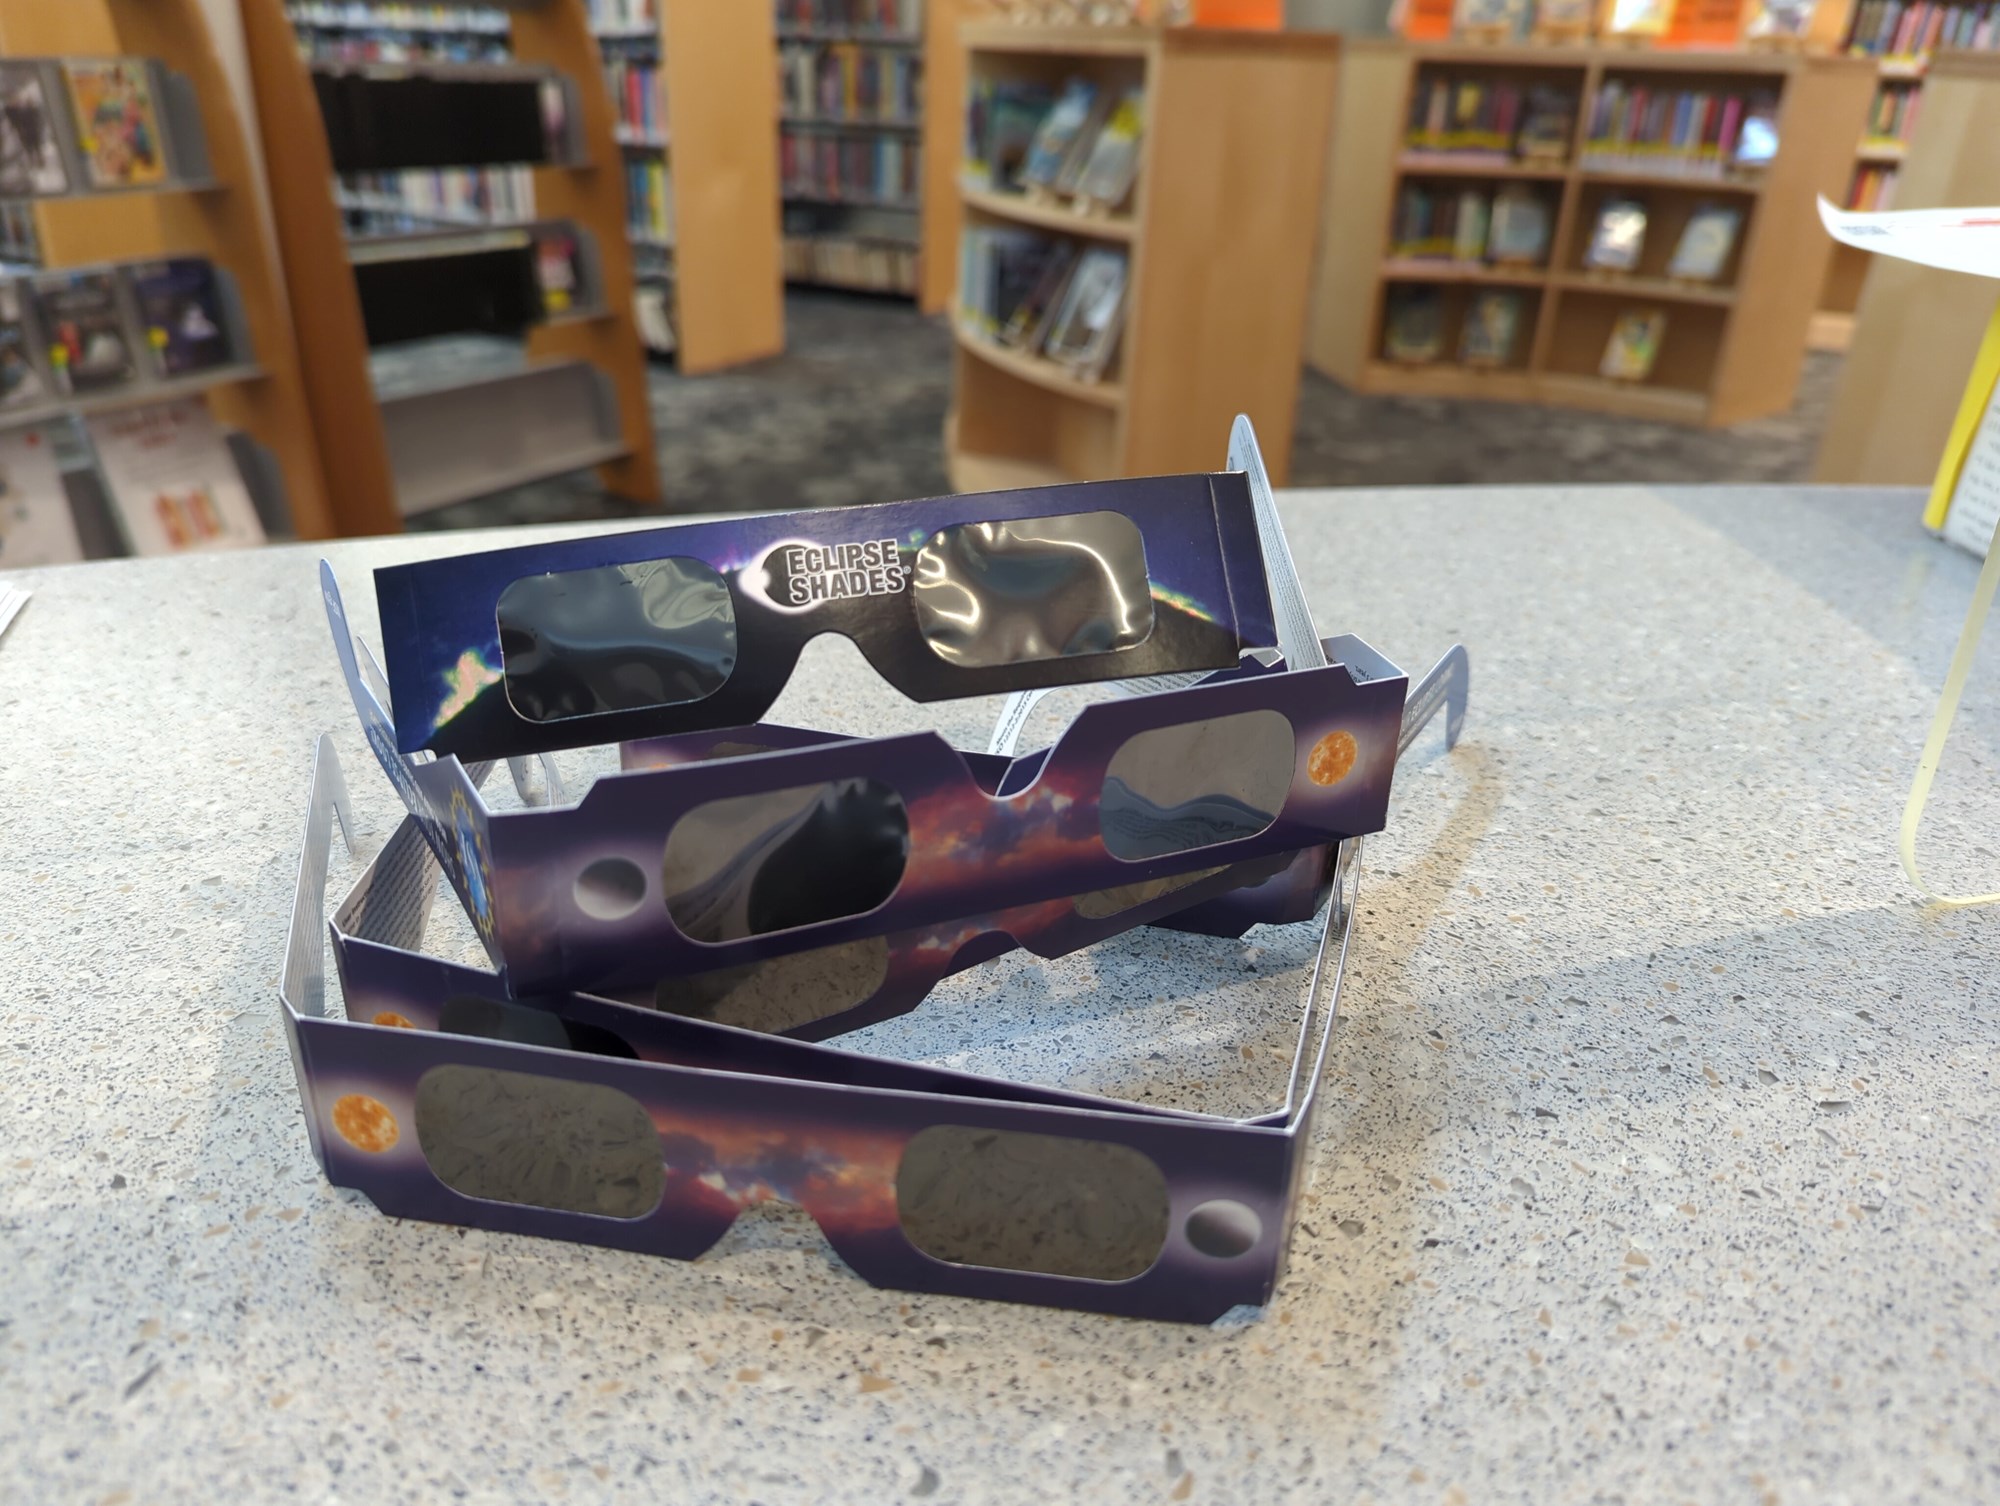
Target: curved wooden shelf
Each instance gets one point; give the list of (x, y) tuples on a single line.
[(1428, 269), (1444, 165), (1665, 289), (1044, 374), (1019, 207)]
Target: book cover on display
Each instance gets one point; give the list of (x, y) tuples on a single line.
[(1518, 231), (1492, 324), (1414, 332), (1702, 252), (180, 308), (1086, 325), (116, 124), (36, 524), (173, 483), (1056, 138), (22, 384), (88, 344), (1618, 237), (1634, 345), (558, 271), (31, 161)]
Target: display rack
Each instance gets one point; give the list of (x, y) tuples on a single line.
[(496, 436), (1219, 231), (208, 207), (1918, 329), (1733, 347), (702, 186)]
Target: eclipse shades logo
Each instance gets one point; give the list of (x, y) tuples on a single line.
[(803, 575)]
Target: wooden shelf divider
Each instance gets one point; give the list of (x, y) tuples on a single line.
[(1732, 351)]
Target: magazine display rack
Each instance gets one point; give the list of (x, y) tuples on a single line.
[(200, 204), (374, 475), (1733, 344), (1218, 232)]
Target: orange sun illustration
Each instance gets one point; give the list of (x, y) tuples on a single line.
[(391, 1018), (365, 1123), (1332, 758)]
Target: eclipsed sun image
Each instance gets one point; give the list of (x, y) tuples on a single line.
[(395, 1021), (364, 1123), (1332, 758)]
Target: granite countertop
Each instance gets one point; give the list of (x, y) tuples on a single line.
[(1658, 1161)]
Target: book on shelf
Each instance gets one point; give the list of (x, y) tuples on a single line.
[(1441, 222), (89, 344), (559, 269), (649, 201), (31, 157), (1481, 120), (1893, 114), (445, 196), (1001, 118), (117, 126), (636, 98), (1637, 18), (873, 266), (1873, 187), (1679, 131), (355, 33), (1059, 134), (173, 483), (1918, 28), (1702, 252), (846, 81), (893, 18), (1088, 320), (653, 311), (1518, 226), (1492, 328), (1634, 345), (620, 15), (867, 169), (37, 526), (1413, 325), (23, 381), (1492, 20), (1112, 164), (1788, 19), (1044, 295), (180, 310), (1617, 236)]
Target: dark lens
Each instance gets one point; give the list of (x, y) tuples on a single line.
[(1175, 789), (754, 864), (615, 638), (492, 1020), (515, 1138), (1022, 1202), (781, 993), (1102, 904), (1035, 588)]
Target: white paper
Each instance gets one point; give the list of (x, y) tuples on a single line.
[(1956, 240), (173, 482), (1975, 501), (36, 524)]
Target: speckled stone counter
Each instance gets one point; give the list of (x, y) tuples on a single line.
[(1659, 1161)]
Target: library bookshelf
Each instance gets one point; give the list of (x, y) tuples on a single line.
[(896, 243), (579, 402), (220, 219), (1732, 348), (1918, 329), (1218, 231)]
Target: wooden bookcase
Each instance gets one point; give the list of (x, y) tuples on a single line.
[(1220, 235), (223, 223), (1732, 351), (1917, 328), (720, 95), (486, 429)]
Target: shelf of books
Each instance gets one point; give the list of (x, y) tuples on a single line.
[(1622, 230), (851, 140), (437, 180), (150, 397), (1136, 213), (1900, 36)]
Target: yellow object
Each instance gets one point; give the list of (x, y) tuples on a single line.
[(1971, 408)]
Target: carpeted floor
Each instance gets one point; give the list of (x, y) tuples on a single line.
[(853, 411)]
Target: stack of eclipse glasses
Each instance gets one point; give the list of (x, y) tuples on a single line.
[(669, 951)]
